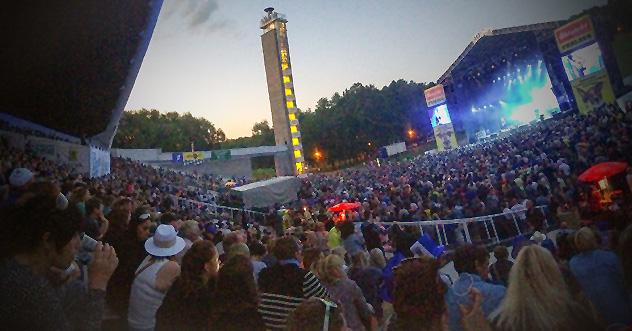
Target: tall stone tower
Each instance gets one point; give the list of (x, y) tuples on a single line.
[(276, 57)]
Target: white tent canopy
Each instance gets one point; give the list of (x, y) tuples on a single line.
[(268, 192)]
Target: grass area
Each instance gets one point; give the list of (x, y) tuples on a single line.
[(263, 173)]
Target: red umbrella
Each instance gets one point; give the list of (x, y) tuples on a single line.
[(602, 170), (344, 206)]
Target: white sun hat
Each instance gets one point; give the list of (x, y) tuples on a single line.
[(165, 242)]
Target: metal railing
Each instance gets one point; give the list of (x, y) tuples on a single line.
[(488, 222), (215, 208)]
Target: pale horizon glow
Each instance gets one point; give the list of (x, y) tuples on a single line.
[(205, 56)]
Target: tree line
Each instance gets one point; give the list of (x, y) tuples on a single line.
[(350, 125)]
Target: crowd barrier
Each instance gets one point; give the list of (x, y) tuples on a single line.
[(496, 227), (218, 209), (496, 222)]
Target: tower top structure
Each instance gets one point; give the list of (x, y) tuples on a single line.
[(270, 17)]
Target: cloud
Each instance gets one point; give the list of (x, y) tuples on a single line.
[(203, 11), (195, 15)]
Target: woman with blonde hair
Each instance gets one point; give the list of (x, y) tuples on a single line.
[(538, 298), (358, 314)]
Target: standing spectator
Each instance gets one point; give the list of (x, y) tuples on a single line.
[(377, 259), (131, 253), (600, 276), (538, 299), (188, 303), (190, 232), (471, 262), (499, 270), (95, 224), (534, 216), (118, 223), (359, 315), (320, 240), (19, 181), (78, 198), (39, 242), (154, 277), (257, 252), (285, 285), (333, 237), (352, 242), (369, 279), (235, 301), (311, 256), (418, 297), (625, 253)]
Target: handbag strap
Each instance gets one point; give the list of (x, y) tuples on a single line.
[(140, 271)]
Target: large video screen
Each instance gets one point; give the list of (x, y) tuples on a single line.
[(583, 62), (439, 115), (514, 96)]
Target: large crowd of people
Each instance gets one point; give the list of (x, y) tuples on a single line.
[(143, 249)]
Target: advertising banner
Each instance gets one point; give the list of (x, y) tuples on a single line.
[(176, 157), (221, 155), (434, 95), (575, 34), (445, 137), (592, 92), (99, 162), (193, 156)]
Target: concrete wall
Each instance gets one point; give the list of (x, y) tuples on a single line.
[(237, 167), (72, 155), (138, 154)]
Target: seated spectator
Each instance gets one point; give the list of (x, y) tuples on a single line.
[(359, 315), (316, 314), (600, 276), (235, 301), (154, 277), (499, 270), (285, 285), (471, 262), (538, 299), (188, 303), (39, 243)]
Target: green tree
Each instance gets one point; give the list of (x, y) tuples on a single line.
[(170, 131)]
